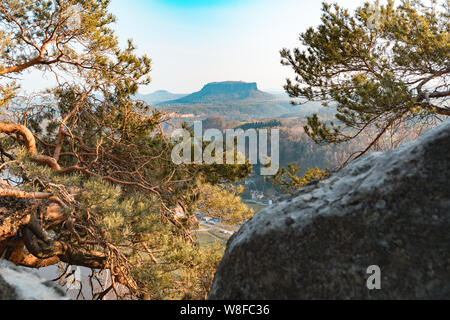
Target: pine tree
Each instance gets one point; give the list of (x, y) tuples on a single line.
[(88, 177), (382, 65)]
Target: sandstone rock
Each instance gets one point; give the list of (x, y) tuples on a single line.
[(6, 291), (387, 209), (17, 283)]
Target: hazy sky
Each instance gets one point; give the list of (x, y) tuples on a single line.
[(193, 42)]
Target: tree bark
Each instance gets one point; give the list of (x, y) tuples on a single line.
[(23, 131)]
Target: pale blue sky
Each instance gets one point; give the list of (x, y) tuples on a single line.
[(192, 42)]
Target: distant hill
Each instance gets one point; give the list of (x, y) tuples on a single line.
[(281, 95), (159, 96), (233, 100), (243, 110), (223, 92)]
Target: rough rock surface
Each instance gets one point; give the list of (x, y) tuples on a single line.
[(6, 291), (17, 283), (388, 209)]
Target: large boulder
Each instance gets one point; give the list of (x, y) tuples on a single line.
[(391, 210), (17, 283)]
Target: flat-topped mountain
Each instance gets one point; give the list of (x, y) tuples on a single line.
[(220, 92)]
